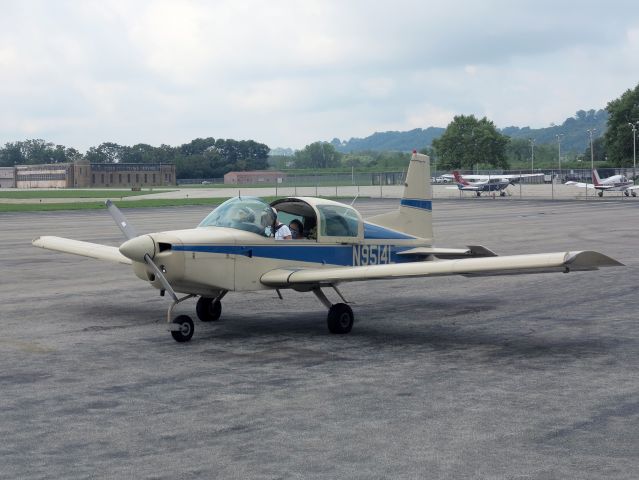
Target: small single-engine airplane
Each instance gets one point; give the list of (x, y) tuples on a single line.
[(486, 183), (494, 184), (233, 250), (615, 183)]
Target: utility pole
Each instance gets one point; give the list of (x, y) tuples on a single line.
[(559, 137), (634, 148), (592, 150), (532, 154)]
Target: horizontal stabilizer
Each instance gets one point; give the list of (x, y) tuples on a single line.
[(85, 249), (506, 265)]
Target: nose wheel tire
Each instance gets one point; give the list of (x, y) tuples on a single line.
[(340, 318), (208, 309), (185, 332)]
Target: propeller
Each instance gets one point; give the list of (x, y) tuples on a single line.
[(138, 244)]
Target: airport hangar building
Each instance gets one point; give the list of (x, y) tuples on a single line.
[(82, 174)]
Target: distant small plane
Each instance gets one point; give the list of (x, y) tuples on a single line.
[(233, 250), (615, 183), (486, 183), (494, 184)]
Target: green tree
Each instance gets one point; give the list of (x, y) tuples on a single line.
[(468, 142), (618, 137), (317, 155), (107, 152), (11, 155)]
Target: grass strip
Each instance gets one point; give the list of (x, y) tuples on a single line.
[(71, 193)]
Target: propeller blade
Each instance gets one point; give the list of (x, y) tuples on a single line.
[(158, 274), (129, 233), (121, 220)]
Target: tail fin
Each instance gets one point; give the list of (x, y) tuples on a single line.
[(414, 216), (596, 181), (459, 179)]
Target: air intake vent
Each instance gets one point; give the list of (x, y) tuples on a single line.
[(163, 247)]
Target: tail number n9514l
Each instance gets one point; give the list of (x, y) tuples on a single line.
[(371, 255)]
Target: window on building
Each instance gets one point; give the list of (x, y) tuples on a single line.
[(93, 178), (137, 178), (128, 178), (145, 178)]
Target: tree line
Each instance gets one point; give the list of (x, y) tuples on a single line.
[(200, 158)]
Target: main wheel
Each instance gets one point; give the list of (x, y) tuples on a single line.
[(340, 318), (186, 330), (208, 309), (502, 194), (478, 193), (634, 194), (600, 193), (626, 193)]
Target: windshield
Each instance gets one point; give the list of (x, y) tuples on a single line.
[(250, 214)]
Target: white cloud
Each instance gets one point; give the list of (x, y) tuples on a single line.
[(288, 73)]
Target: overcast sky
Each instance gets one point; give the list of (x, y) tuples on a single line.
[(287, 73)]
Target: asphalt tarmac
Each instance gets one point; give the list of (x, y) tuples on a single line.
[(517, 377)]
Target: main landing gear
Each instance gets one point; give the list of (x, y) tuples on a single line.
[(208, 310), (340, 316), (339, 320)]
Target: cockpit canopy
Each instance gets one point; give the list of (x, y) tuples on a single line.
[(321, 220), (250, 214)]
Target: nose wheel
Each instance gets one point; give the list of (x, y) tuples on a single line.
[(185, 328)]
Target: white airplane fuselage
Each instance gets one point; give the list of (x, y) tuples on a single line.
[(210, 259)]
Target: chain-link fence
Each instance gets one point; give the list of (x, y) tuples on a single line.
[(546, 183)]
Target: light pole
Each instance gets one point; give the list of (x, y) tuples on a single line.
[(592, 151), (532, 154), (634, 148), (559, 137)]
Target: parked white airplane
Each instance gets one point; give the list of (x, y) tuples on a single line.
[(233, 250), (489, 185), (615, 183)]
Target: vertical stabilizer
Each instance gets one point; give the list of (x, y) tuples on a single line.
[(459, 179), (595, 178), (414, 216)]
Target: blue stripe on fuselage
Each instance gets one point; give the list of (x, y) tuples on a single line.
[(322, 254), (375, 232)]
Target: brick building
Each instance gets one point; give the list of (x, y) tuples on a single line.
[(83, 174)]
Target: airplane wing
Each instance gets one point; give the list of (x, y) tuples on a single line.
[(85, 249), (492, 265), (501, 177), (580, 184)]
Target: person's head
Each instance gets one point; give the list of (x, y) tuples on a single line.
[(296, 227), (269, 216), (244, 214)]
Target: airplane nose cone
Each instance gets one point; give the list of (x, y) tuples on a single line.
[(137, 247)]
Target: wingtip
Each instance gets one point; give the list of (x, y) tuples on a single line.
[(591, 259)]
